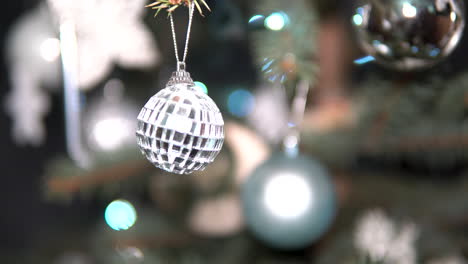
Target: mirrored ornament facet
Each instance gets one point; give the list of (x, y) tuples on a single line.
[(409, 34), (180, 129), (288, 202)]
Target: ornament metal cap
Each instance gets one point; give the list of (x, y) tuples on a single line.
[(180, 76)]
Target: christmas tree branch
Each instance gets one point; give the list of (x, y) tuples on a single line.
[(168, 241), (98, 177), (381, 121), (418, 143), (171, 5)]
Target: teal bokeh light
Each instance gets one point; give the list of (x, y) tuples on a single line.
[(255, 18), (357, 19), (202, 87), (120, 215), (364, 60), (241, 103)]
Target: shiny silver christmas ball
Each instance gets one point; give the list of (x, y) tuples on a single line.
[(180, 129), (288, 202), (409, 34)]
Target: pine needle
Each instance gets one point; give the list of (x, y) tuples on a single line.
[(205, 4), (171, 5)]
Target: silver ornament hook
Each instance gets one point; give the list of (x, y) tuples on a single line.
[(181, 66), (292, 139), (187, 38)]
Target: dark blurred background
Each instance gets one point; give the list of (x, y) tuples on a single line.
[(385, 115)]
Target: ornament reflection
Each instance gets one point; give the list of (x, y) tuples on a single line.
[(409, 35), (287, 195)]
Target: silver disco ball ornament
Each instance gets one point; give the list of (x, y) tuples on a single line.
[(180, 129), (409, 34)]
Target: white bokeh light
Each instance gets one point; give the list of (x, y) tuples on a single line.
[(50, 49), (409, 10), (453, 16), (110, 121), (112, 133), (132, 255), (287, 196), (276, 21)]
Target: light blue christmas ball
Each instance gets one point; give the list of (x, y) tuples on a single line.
[(289, 202)]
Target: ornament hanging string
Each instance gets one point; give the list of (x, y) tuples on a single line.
[(181, 64), (292, 138), (299, 103)]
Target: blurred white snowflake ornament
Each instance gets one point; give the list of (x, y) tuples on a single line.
[(32, 53), (377, 236), (108, 32)]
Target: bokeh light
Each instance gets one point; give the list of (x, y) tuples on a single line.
[(120, 215), (255, 18), (287, 196), (111, 133), (276, 21), (364, 60), (357, 19), (291, 145), (434, 52), (50, 49), (132, 255), (241, 103), (453, 16), (73, 258), (110, 121), (409, 10), (202, 87)]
